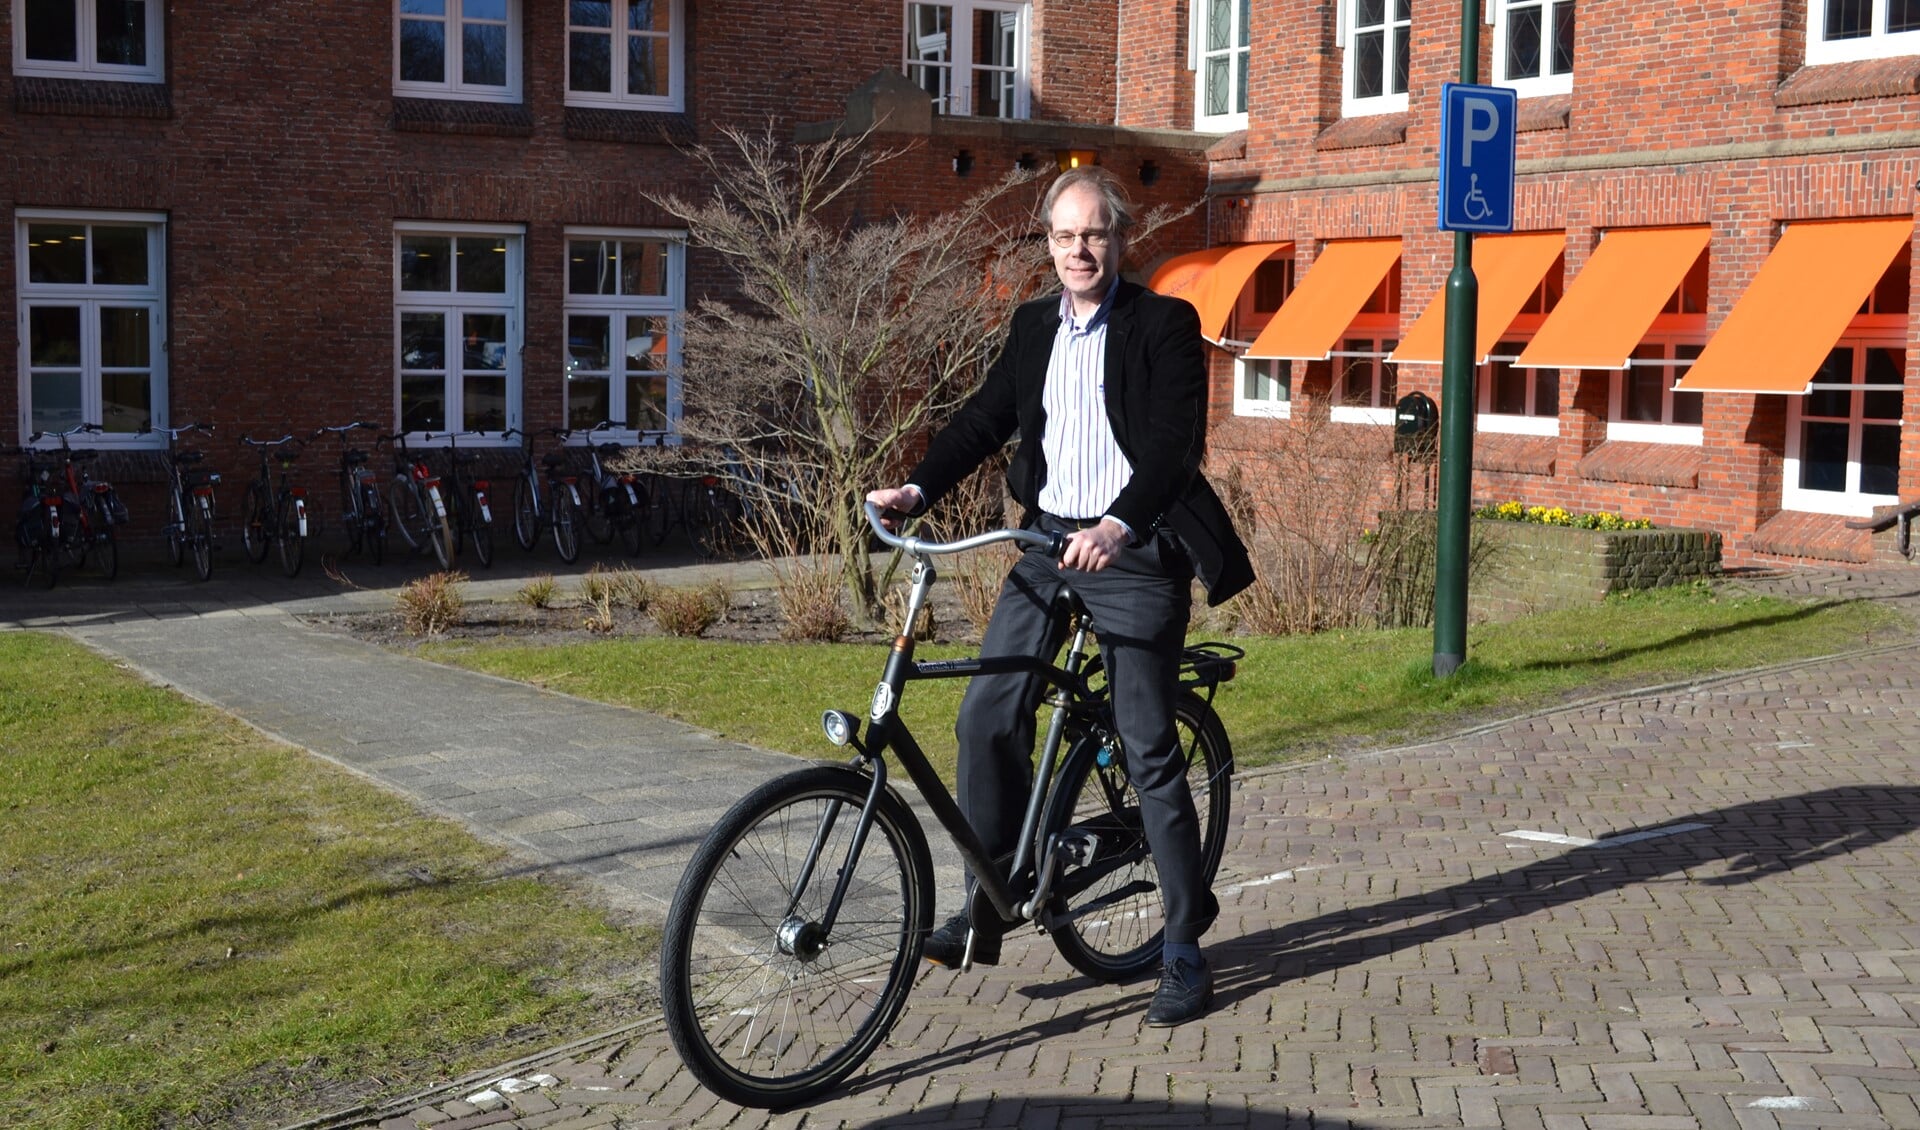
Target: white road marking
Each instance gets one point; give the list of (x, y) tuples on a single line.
[(1605, 841)]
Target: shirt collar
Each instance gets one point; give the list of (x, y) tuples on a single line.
[(1094, 320)]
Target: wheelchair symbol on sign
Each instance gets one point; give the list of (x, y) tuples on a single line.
[(1474, 204)]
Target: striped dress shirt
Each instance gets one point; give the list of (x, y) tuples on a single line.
[(1085, 467)]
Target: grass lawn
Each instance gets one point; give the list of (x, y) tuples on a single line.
[(204, 927), (1294, 696)]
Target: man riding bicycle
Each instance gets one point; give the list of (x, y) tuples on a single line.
[(1106, 384)]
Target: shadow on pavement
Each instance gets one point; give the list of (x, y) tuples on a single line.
[(1088, 1111)]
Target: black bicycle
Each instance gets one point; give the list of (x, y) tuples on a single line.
[(38, 528), (361, 514), (546, 497), (189, 501), (418, 505), (85, 512), (469, 499), (796, 929), (616, 502), (274, 511)]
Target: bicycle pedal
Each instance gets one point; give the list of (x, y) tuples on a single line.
[(1077, 846)]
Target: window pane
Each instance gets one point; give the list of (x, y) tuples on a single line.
[(1687, 406), (1837, 369), (423, 7), (646, 345), (1402, 61), (423, 51), (120, 32), (1245, 36), (484, 401), (119, 256), (53, 336), (1823, 457), (1217, 89), (645, 15), (1369, 54), (1219, 24), (590, 13), (482, 264), (126, 337), (426, 262), (484, 10), (1903, 15), (590, 62), (1240, 85), (423, 403), (1523, 43), (1369, 13), (483, 57), (1879, 460), (590, 266), (126, 402), (52, 31), (1849, 19), (1389, 380), (1563, 16), (423, 340), (587, 402), (649, 61), (56, 253), (1356, 381), (1546, 392), (1509, 389), (1885, 370), (483, 342), (647, 403), (587, 344), (643, 267), (56, 401)]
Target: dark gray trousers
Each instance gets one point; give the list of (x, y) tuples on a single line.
[(1140, 606)]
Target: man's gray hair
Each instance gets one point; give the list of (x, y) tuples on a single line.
[(1119, 208)]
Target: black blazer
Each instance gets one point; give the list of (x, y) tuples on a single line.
[(1156, 393)]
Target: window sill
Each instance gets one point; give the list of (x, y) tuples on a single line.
[(91, 98), (1514, 454), (1232, 147), (1646, 464), (643, 127), (1846, 82), (1550, 112), (437, 115), (1360, 133)]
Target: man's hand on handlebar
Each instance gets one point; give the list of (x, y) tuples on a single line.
[(1093, 549), (894, 503)]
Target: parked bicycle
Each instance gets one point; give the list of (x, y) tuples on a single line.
[(417, 503), (796, 929), (189, 501), (362, 515), (87, 511), (39, 525), (273, 514), (469, 500), (546, 497), (617, 503)]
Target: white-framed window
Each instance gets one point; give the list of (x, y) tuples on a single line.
[(1261, 386), (626, 53), (1533, 46), (1644, 407), (93, 311), (465, 49), (1377, 57), (117, 40), (970, 56), (1843, 436), (1365, 383), (1839, 31), (458, 327), (1514, 400), (1221, 54), (626, 292)]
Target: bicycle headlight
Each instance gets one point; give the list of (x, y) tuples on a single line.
[(839, 726)]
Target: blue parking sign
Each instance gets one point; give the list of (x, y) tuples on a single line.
[(1477, 138)]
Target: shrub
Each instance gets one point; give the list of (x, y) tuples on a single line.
[(538, 592), (631, 588), (811, 595), (596, 584), (432, 604), (976, 579), (689, 611), (599, 618)]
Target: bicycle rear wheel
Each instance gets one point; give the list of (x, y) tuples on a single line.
[(200, 535), (1111, 923), (292, 543), (765, 1007), (566, 525), (409, 517), (526, 512), (256, 519), (105, 550), (480, 527), (176, 529)]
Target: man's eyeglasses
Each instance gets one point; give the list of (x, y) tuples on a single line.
[(1096, 238)]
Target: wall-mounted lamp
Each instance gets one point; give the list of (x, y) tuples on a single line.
[(1026, 162), (1149, 172), (1075, 158), (963, 162)]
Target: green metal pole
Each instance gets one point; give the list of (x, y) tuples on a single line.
[(1456, 418)]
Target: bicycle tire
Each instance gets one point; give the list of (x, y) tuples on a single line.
[(254, 521), (659, 499), (566, 526), (526, 513), (200, 527), (439, 526), (176, 529), (105, 548), (290, 541), (631, 525), (480, 530), (43, 562), (723, 971), (351, 519), (710, 525), (373, 518), (1110, 917), (593, 512), (403, 499)]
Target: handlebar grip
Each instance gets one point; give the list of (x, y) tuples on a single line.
[(1056, 544)]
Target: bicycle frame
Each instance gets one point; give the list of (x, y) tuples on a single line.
[(459, 484), (277, 451)]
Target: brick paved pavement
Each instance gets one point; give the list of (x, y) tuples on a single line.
[(1693, 907)]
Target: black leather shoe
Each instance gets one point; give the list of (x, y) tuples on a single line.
[(1185, 992), (948, 943)]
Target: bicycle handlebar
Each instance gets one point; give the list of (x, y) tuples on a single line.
[(176, 433), (285, 439), (1054, 544)]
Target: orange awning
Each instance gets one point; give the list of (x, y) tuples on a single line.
[(1618, 294), (1777, 335), (1321, 308), (1507, 268), (1213, 279)]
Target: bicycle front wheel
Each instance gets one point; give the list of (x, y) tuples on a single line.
[(293, 543), (566, 525), (256, 519), (105, 550), (526, 512), (1110, 925), (480, 516), (176, 529), (766, 1006), (200, 535)]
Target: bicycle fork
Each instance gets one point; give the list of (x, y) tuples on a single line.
[(806, 940)]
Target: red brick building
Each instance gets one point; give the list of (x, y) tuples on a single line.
[(429, 213)]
